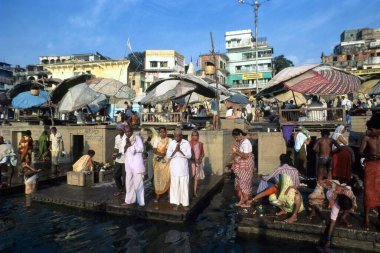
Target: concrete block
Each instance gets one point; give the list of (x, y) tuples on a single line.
[(80, 178), (105, 176)]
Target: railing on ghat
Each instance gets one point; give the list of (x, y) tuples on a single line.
[(167, 118), (312, 116)]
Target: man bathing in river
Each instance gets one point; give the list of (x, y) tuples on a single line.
[(323, 148)]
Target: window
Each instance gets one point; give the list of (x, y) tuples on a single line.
[(164, 64), (248, 55), (153, 64), (378, 54), (133, 82), (349, 57), (221, 65), (335, 58)]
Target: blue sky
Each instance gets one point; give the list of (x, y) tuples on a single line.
[(299, 29)]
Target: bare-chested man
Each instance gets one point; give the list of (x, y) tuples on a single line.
[(370, 150), (323, 148)]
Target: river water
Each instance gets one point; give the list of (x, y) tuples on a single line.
[(35, 227)]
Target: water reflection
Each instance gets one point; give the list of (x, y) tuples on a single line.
[(48, 228)]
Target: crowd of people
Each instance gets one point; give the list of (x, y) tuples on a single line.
[(174, 167), (171, 165), (50, 148), (335, 181)]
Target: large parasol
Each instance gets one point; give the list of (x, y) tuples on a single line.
[(3, 99), (177, 86), (78, 97), (375, 89), (23, 87), (62, 88), (313, 80), (26, 100), (111, 87)]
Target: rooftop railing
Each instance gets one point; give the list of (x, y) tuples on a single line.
[(166, 118), (312, 116)]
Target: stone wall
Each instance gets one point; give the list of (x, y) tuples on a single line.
[(270, 146), (97, 137), (358, 123)]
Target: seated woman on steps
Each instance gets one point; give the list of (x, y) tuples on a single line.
[(285, 196)]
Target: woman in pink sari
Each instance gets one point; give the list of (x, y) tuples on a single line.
[(196, 161)]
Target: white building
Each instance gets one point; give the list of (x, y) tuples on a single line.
[(161, 63), (241, 53)]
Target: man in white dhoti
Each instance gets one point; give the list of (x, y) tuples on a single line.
[(132, 147), (8, 159), (179, 152)]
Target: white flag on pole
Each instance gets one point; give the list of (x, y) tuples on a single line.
[(129, 45)]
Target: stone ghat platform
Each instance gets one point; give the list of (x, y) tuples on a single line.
[(270, 226), (99, 198)]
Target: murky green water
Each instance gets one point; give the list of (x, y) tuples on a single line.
[(48, 228)]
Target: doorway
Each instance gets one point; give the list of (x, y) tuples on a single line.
[(78, 145)]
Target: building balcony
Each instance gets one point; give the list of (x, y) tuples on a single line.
[(239, 45), (247, 86), (160, 70), (372, 60), (254, 57), (252, 70)]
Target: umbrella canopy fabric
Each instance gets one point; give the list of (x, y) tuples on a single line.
[(201, 86), (289, 73), (192, 98), (60, 91), (325, 82), (4, 99), (168, 90), (26, 100), (99, 103), (23, 87), (300, 99), (77, 97), (236, 98), (111, 87), (375, 89), (222, 90), (313, 80), (368, 85)]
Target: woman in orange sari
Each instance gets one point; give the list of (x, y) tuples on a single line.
[(25, 148), (196, 162), (161, 164)]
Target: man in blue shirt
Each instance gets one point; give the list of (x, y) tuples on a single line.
[(214, 111)]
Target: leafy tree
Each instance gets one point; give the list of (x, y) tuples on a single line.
[(280, 62), (137, 61)]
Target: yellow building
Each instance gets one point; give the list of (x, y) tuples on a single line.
[(116, 69), (137, 82)]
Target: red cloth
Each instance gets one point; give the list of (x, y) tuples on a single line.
[(342, 164), (243, 169), (371, 184)]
